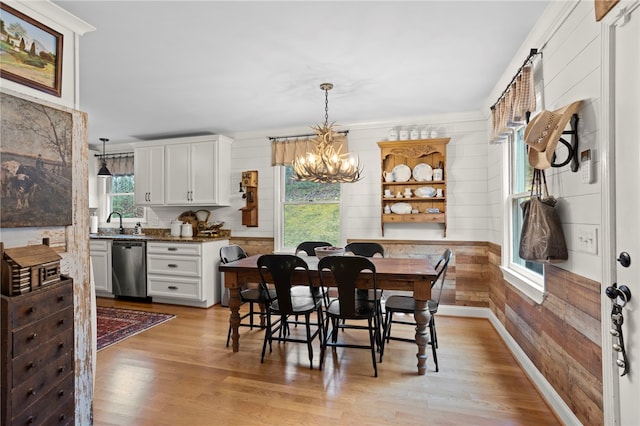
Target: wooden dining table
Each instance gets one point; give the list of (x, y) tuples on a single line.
[(409, 274)]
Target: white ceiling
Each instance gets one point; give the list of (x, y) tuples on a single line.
[(174, 68)]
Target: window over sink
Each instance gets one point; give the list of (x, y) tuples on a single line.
[(119, 196)]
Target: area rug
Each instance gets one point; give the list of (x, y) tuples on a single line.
[(116, 324)]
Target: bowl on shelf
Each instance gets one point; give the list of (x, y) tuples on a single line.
[(328, 251)]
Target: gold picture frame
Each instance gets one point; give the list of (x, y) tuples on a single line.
[(31, 52)]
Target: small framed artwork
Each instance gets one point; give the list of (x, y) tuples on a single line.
[(30, 52)]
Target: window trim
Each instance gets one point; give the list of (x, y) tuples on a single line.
[(521, 278)]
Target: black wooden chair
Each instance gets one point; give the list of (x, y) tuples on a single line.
[(249, 295), (406, 305), (279, 270), (363, 248), (309, 247), (348, 306)]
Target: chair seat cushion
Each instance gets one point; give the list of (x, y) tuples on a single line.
[(364, 309), (300, 305), (407, 304)]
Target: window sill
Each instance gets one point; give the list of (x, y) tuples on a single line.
[(525, 285)]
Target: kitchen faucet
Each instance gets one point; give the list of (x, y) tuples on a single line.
[(119, 214)]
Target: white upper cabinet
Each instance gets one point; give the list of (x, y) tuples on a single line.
[(149, 168), (198, 173)]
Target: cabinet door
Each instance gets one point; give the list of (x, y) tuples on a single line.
[(178, 174), (101, 262), (149, 174), (204, 171)]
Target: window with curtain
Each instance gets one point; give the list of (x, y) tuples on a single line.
[(308, 211), (120, 188)]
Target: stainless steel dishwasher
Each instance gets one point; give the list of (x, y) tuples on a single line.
[(129, 268)]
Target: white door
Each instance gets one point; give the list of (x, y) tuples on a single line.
[(627, 206)]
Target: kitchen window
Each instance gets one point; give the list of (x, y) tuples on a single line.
[(308, 211), (526, 276), (119, 197)]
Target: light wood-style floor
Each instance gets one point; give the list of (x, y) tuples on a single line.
[(181, 373)]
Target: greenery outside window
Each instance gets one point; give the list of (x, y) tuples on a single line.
[(120, 198), (527, 276), (309, 211)]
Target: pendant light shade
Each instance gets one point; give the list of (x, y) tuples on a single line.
[(104, 171)]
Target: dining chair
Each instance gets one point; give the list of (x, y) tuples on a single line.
[(368, 249), (279, 269), (364, 248), (309, 247), (248, 295), (345, 271), (398, 304)]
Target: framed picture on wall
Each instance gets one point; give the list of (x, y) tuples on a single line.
[(30, 52)]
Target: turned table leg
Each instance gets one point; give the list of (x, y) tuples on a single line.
[(231, 282), (422, 336)]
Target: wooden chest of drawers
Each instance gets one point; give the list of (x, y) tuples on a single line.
[(37, 335)]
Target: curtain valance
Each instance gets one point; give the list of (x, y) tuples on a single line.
[(284, 151), (118, 165)]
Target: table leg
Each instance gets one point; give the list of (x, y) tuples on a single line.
[(421, 315), (231, 282)]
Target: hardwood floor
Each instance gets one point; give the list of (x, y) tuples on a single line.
[(181, 373)]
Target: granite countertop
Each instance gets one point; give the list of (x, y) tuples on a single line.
[(159, 235)]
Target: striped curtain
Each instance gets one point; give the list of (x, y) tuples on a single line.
[(284, 151), (510, 111)]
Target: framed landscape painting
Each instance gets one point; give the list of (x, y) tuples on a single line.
[(36, 164), (30, 52)]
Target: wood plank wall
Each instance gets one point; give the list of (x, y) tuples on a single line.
[(467, 282), (561, 336)]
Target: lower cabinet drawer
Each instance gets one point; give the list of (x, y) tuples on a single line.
[(174, 287), (186, 266), (54, 405)]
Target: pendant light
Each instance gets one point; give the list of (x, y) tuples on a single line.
[(325, 164), (104, 171)]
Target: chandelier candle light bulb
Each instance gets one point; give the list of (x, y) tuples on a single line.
[(326, 165)]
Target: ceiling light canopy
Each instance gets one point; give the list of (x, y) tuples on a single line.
[(326, 164)]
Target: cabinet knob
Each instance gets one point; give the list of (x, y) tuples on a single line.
[(61, 393), (61, 417), (32, 336), (61, 369), (31, 310), (31, 392), (61, 322), (30, 365)]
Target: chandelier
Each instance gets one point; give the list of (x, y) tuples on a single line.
[(326, 164)]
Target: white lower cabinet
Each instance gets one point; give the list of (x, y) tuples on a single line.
[(100, 252), (184, 273)]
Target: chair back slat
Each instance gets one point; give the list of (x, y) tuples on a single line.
[(309, 247), (441, 268), (366, 249), (281, 268), (232, 253), (345, 271)]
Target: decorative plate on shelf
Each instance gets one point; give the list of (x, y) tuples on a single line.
[(422, 172), (425, 191), (401, 208), (402, 173)]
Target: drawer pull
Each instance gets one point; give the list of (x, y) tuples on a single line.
[(61, 417), (172, 249), (61, 392), (61, 369), (33, 336), (30, 419), (31, 310), (61, 322), (172, 287), (172, 265), (31, 392), (60, 345), (60, 298), (30, 365)]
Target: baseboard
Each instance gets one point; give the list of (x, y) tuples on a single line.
[(554, 400)]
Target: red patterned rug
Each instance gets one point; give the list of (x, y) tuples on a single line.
[(116, 324)]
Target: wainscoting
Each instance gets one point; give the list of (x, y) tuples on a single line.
[(561, 336)]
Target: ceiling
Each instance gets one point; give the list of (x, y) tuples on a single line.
[(178, 68)]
